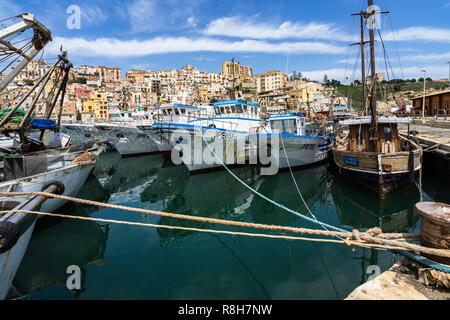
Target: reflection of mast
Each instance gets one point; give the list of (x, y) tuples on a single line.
[(244, 266)]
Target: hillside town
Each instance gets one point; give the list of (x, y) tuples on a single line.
[(94, 90)]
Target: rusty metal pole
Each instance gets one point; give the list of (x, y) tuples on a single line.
[(435, 227)]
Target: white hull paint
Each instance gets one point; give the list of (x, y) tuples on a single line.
[(129, 140), (81, 132), (302, 151), (160, 140), (204, 155), (11, 259), (73, 176)]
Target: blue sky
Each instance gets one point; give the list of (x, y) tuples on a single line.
[(307, 36)]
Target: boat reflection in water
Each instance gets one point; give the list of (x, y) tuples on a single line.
[(55, 245), (358, 209), (214, 195), (314, 186), (123, 178)]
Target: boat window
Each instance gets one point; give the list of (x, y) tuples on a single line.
[(222, 110), (217, 110), (239, 108), (183, 111), (177, 112), (277, 125), (387, 134), (290, 126), (164, 112)]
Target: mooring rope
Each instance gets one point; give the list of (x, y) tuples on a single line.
[(348, 242), (270, 200), (374, 235)]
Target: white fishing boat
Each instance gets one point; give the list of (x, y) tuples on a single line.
[(169, 116), (299, 143), (16, 229), (206, 142), (127, 139), (81, 132)]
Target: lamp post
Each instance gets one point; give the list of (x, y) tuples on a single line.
[(424, 88), (448, 74)]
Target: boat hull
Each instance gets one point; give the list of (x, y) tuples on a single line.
[(159, 138), (298, 151), (72, 176), (130, 141), (379, 172), (11, 259)]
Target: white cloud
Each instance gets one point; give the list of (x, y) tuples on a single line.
[(433, 71), (93, 15), (192, 21), (143, 15), (419, 34), (444, 57), (243, 27), (111, 47)]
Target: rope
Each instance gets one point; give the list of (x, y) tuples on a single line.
[(264, 197), (374, 235), (260, 235), (371, 232)]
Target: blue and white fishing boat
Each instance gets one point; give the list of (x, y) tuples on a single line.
[(207, 142), (170, 117), (300, 143)]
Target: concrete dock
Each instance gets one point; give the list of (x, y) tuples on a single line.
[(405, 280)]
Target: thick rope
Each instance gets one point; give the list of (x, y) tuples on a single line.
[(260, 235), (372, 232)]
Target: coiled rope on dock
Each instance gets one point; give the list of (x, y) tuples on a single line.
[(371, 238)]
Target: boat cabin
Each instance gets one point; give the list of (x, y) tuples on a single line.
[(288, 123), (237, 108), (175, 112), (359, 134)]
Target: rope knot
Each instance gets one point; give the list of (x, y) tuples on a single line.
[(356, 235), (374, 232)]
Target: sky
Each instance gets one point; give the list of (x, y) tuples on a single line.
[(311, 37)]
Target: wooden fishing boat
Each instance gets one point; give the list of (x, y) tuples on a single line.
[(373, 153), (392, 163)]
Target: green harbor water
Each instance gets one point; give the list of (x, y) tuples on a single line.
[(134, 262)]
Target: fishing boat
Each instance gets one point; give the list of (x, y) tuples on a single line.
[(170, 117), (300, 143), (222, 137), (373, 153), (15, 231), (127, 139)]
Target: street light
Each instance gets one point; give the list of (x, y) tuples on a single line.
[(424, 86), (448, 74)]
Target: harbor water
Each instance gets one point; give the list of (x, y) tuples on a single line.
[(133, 262)]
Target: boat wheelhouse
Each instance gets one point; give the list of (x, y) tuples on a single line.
[(392, 163), (165, 117), (299, 144)]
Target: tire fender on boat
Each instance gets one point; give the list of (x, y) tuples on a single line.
[(10, 233)]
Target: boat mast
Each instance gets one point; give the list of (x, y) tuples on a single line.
[(363, 60), (373, 100)]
